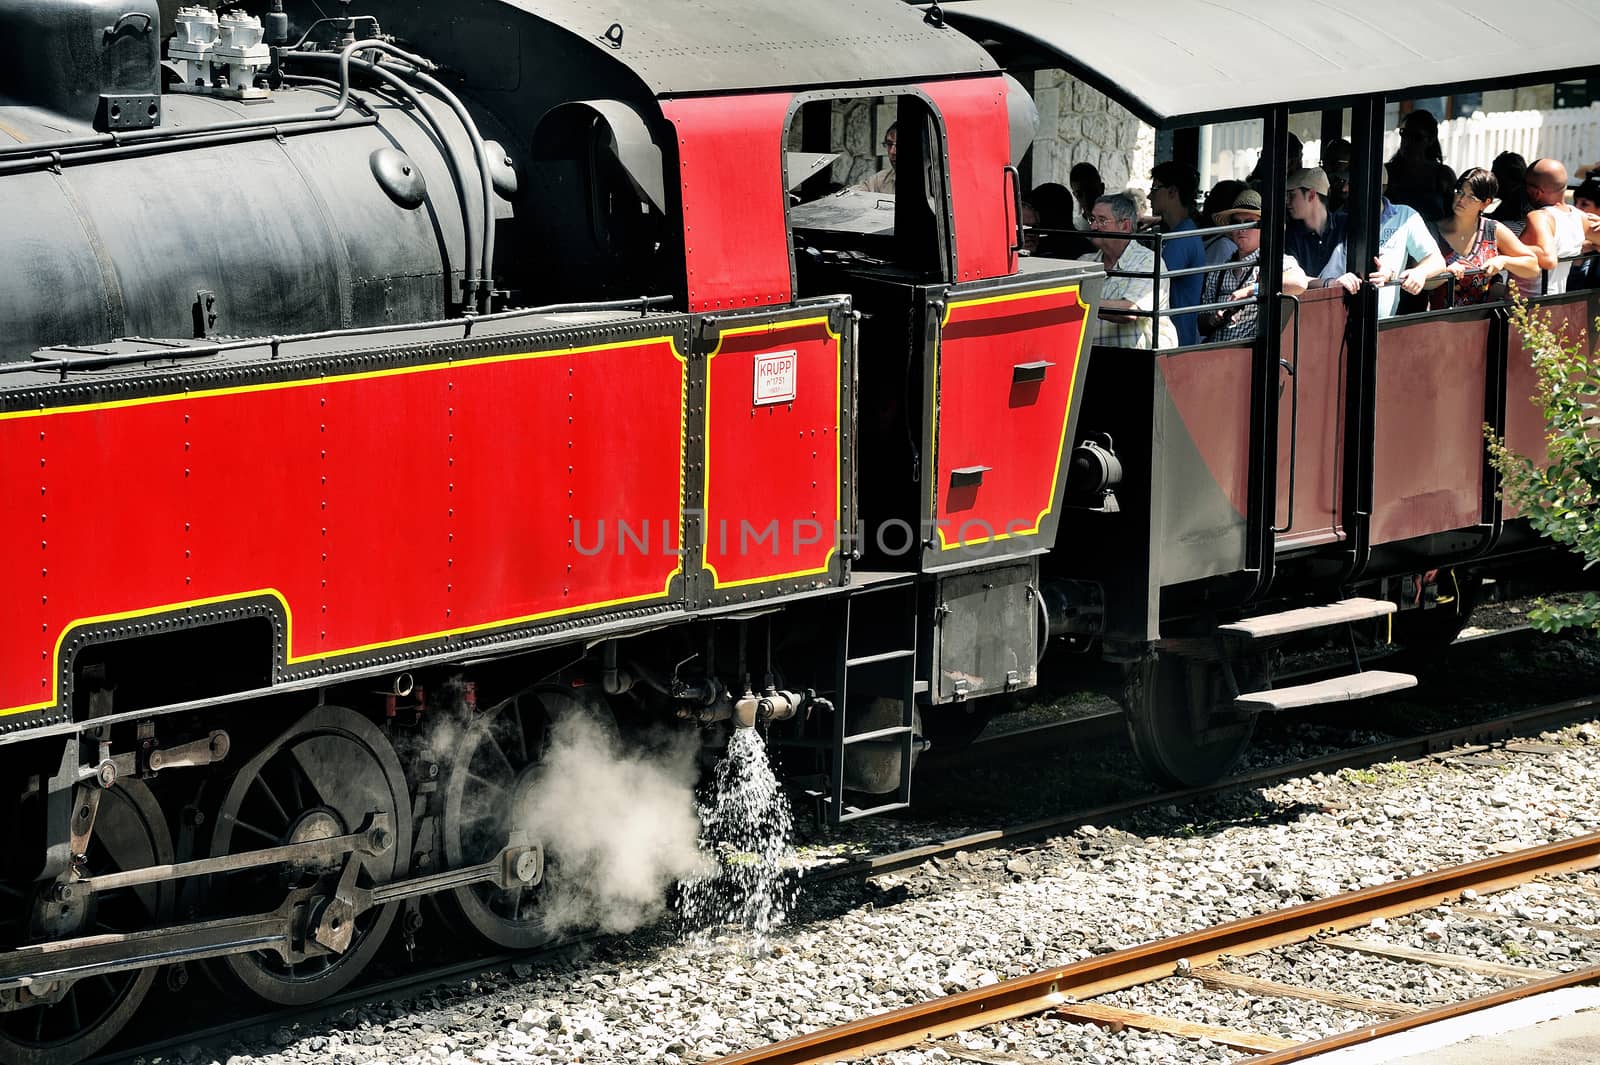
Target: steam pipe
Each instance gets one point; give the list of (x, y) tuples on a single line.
[(321, 114), (482, 256), (474, 254)]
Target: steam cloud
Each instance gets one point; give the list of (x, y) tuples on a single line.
[(618, 824)]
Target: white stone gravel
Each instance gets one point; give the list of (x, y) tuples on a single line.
[(984, 916)]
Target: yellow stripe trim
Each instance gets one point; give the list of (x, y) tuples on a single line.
[(705, 489), (317, 382), (1066, 418), (291, 658)]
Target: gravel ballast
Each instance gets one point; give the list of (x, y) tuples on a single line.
[(853, 949)]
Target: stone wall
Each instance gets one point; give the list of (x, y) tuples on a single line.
[(1079, 124)]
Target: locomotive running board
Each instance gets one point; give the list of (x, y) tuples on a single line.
[(1306, 618), (1334, 690)]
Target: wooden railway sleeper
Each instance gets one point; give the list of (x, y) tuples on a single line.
[(307, 923)]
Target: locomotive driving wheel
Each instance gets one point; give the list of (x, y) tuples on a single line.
[(66, 1022), (488, 779), (1180, 717), (324, 777)]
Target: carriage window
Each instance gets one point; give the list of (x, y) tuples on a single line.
[(866, 187)]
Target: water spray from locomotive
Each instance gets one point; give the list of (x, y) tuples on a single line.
[(748, 826)]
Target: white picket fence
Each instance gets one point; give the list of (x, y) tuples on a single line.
[(1570, 134)]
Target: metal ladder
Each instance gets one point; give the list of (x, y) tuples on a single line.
[(875, 661)]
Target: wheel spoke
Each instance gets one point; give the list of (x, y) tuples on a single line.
[(493, 745), (263, 833), (77, 1016), (516, 902), (521, 730), (260, 782), (493, 785)]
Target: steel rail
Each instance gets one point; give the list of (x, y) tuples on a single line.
[(1419, 746), (1449, 1011), (1044, 990)]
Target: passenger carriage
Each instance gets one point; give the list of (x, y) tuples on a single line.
[(1336, 469)]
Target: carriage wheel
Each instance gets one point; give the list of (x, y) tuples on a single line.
[(1160, 694), (321, 778), (73, 1023), (487, 780)]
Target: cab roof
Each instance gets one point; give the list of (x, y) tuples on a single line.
[(685, 47)]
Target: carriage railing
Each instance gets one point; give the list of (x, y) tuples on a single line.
[(1157, 239), (1159, 273)]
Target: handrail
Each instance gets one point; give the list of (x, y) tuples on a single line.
[(1294, 414), (106, 360)]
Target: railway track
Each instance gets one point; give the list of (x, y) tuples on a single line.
[(1067, 992), (1453, 742)]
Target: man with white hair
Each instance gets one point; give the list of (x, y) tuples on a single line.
[(1119, 327)]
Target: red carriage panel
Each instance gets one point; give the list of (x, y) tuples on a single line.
[(1525, 427), (1428, 443), (1201, 443), (379, 509), (774, 502), (735, 235), (1311, 443), (979, 148), (1008, 365)]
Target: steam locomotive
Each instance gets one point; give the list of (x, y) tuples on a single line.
[(380, 389)]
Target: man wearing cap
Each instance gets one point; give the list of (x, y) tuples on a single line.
[(1241, 282), (1403, 239), (1314, 231), (1135, 289)]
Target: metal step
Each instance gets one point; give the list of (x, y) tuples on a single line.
[(878, 735), (1307, 618), (886, 656), (1334, 690)]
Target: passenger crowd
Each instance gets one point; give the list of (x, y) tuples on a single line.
[(1443, 238)]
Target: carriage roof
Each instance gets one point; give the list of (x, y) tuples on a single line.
[(1174, 62)]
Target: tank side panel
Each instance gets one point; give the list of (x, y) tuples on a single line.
[(773, 497), (380, 509)]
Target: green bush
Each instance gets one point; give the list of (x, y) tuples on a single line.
[(1560, 499)]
